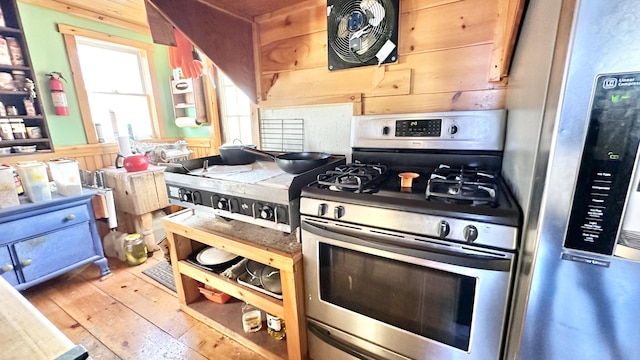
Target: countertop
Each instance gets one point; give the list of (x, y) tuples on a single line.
[(26, 333)]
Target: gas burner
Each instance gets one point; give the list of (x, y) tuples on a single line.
[(356, 177), (463, 186)]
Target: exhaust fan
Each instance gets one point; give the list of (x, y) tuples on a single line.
[(361, 32)]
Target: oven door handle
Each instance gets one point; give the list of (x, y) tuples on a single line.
[(347, 348), (455, 255)]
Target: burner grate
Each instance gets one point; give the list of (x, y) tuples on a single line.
[(463, 186), (352, 177)]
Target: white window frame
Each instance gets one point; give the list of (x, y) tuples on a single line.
[(146, 52)]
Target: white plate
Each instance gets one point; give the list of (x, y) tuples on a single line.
[(214, 256)]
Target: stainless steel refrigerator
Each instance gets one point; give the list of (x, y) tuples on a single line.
[(572, 159)]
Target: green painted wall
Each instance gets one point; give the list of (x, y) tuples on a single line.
[(48, 53)]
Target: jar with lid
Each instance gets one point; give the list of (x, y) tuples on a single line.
[(275, 327), (134, 249), (6, 133), (18, 129), (251, 318)]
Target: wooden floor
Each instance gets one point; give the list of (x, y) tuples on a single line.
[(128, 316)]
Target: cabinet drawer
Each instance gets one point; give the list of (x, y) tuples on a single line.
[(5, 260), (43, 223), (49, 253)]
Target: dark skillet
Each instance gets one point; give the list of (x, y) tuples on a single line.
[(295, 162)]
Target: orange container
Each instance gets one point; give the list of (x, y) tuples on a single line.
[(215, 295)]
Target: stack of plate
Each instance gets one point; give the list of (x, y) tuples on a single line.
[(213, 259)]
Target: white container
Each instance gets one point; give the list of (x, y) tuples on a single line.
[(66, 175), (35, 180), (251, 318), (8, 193)]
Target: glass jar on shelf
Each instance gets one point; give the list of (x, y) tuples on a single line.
[(275, 327)]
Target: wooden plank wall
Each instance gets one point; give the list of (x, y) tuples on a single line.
[(445, 58), (99, 156)]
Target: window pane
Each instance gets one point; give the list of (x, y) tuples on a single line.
[(113, 76), (244, 104), (116, 113), (110, 68), (231, 105), (236, 112)]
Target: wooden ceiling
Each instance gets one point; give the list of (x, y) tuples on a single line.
[(131, 14), (249, 9)]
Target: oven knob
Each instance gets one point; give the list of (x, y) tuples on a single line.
[(338, 212), (453, 129), (386, 130), (223, 204), (197, 197), (470, 233), (266, 213), (185, 195), (322, 209), (443, 229)]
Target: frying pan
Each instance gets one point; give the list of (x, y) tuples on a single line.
[(296, 162)]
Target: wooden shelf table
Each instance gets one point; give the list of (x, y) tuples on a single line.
[(188, 231)]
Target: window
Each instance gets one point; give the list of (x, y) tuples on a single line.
[(114, 88), (235, 108)]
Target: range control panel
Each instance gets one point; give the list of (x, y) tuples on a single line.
[(428, 128), (257, 212)]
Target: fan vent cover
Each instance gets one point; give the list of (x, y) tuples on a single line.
[(361, 32)]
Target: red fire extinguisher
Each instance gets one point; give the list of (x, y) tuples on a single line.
[(57, 93)]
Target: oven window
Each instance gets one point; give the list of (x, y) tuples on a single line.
[(431, 303)]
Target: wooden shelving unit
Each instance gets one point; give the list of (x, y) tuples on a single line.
[(188, 96), (15, 98), (187, 232)]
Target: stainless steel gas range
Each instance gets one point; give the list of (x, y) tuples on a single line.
[(259, 193), (409, 252)]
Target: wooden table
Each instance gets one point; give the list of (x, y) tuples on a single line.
[(26, 334), (139, 194)]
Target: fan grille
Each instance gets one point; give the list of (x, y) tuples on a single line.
[(357, 29)]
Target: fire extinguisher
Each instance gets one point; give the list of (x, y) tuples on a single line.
[(57, 93)]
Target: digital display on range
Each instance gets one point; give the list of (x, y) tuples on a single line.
[(606, 167), (419, 128)]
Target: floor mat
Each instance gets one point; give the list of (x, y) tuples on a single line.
[(162, 273)]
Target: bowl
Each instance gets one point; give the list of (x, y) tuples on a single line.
[(5, 150), (24, 149)]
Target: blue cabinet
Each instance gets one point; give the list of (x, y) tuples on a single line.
[(39, 241)]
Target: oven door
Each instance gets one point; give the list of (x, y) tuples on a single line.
[(417, 297)]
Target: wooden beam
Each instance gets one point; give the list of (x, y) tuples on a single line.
[(310, 101), (505, 36), (446, 101), (141, 27)]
